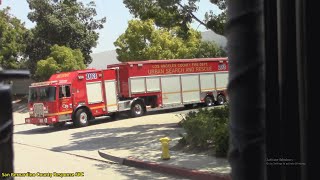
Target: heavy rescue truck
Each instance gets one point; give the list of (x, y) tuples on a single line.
[(130, 87)]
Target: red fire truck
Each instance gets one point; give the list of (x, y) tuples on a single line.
[(130, 87)]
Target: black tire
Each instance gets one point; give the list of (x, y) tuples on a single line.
[(221, 99), (59, 124), (208, 101), (137, 109), (81, 118)]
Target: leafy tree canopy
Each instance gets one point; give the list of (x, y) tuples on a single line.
[(12, 40), (143, 41), (66, 23), (61, 59), (171, 13)]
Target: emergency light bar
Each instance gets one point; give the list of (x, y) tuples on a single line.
[(46, 83)]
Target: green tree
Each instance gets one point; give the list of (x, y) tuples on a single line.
[(142, 40), (66, 23), (208, 49), (12, 41), (171, 13), (61, 59)]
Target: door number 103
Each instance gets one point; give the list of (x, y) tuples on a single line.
[(91, 76)]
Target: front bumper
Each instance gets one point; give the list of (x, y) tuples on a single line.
[(42, 120)]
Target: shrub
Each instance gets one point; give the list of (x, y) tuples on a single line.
[(208, 128)]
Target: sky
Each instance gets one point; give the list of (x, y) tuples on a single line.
[(114, 10)]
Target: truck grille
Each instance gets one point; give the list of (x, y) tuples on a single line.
[(38, 110)]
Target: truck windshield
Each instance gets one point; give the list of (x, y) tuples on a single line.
[(42, 94), (33, 96)]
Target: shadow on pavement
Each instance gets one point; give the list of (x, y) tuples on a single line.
[(127, 138), (99, 120), (45, 130), (134, 139), (142, 142)]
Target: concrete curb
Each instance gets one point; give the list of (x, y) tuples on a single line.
[(111, 158), (168, 169)]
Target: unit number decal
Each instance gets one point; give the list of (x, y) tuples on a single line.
[(222, 67), (65, 106), (91, 76)]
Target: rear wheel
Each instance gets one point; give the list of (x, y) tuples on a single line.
[(138, 109), (221, 99), (81, 118), (209, 101)]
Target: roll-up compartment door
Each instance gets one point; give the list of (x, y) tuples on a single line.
[(137, 85), (221, 80), (111, 95), (153, 84), (171, 92), (190, 88), (207, 82), (94, 92)]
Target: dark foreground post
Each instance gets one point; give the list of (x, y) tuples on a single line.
[(6, 122), (246, 89), (6, 129), (273, 89)]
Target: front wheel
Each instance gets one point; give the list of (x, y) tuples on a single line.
[(221, 99), (81, 118), (137, 109)]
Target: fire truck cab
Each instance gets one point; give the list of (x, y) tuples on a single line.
[(77, 96)]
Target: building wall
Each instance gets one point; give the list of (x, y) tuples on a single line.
[(20, 86)]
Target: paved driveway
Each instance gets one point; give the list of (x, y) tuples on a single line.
[(69, 149)]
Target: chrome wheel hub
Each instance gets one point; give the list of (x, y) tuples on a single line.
[(138, 109), (83, 118)]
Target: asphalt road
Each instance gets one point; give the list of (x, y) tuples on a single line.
[(68, 150)]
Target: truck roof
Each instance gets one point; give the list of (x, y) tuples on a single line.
[(170, 61), (68, 77), (62, 78)]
